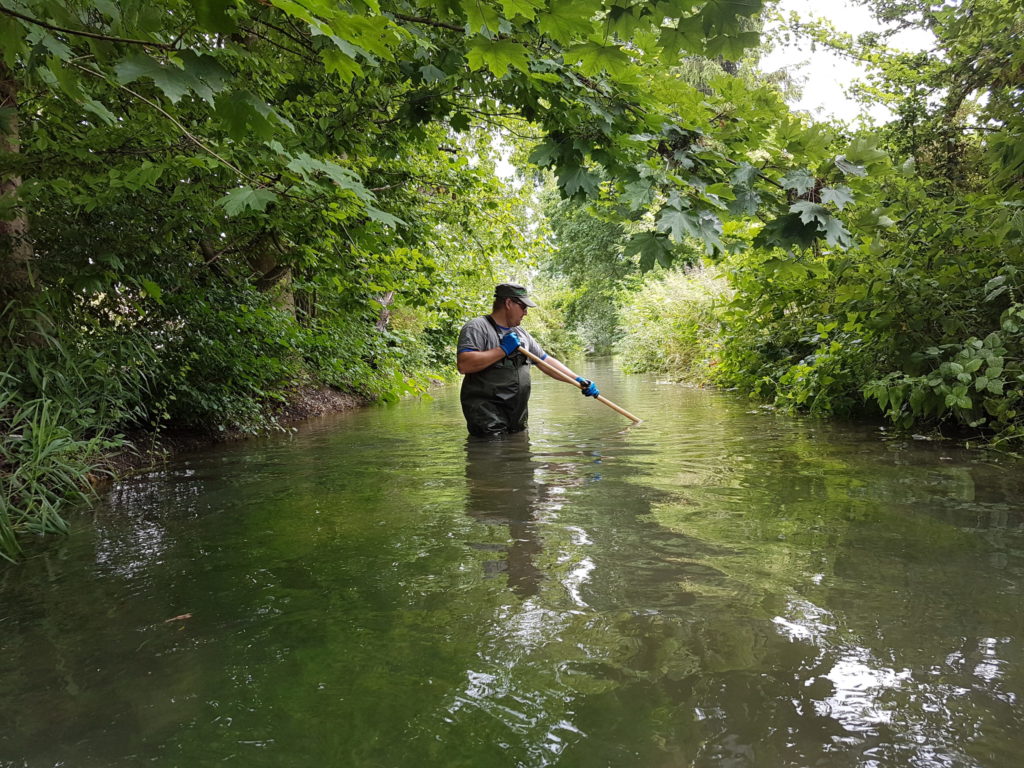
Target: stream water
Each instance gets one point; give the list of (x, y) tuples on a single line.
[(718, 586)]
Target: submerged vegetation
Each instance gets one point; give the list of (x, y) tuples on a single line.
[(210, 204)]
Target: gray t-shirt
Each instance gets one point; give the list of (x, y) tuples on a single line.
[(478, 335)]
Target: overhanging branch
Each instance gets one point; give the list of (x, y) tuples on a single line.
[(83, 33)]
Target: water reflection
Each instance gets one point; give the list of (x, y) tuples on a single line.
[(712, 588), (502, 490)]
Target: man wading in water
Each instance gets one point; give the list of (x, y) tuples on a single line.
[(496, 390)]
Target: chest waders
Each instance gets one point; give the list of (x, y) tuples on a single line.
[(494, 400)]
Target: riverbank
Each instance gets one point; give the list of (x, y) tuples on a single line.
[(145, 450)]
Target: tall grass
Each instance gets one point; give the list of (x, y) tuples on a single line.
[(44, 467), (60, 399), (671, 325)]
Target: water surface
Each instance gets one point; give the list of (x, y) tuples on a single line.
[(719, 586)]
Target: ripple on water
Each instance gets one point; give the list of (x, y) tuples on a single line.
[(718, 585)]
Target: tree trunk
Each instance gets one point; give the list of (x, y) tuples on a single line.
[(272, 277), (384, 317), (15, 248)]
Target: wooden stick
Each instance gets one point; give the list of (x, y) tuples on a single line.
[(569, 380)]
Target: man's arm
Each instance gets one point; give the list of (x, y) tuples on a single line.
[(471, 361), (558, 365)]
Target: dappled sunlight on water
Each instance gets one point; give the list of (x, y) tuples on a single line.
[(720, 585)]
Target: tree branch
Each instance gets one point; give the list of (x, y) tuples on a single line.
[(428, 22), (170, 117), (83, 33)]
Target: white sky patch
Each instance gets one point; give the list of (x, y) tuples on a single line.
[(826, 76)]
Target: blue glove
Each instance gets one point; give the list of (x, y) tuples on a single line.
[(510, 343), (589, 389)]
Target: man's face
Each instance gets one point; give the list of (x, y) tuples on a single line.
[(515, 310)]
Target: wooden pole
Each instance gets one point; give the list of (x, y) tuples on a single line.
[(569, 380)]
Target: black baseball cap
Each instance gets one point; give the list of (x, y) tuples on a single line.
[(513, 291)]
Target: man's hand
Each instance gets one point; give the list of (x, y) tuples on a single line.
[(510, 343), (589, 390)]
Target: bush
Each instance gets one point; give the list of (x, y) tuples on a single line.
[(671, 325)]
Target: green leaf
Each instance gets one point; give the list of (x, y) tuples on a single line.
[(813, 213), (787, 269), (702, 225), (995, 282), (12, 39), (593, 59), (246, 198), (836, 233), (746, 203), (432, 74), (864, 150), (679, 224), (56, 48), (213, 16), (787, 231), (685, 37), (731, 47), (174, 82), (241, 113), (151, 289), (383, 217), (308, 167), (497, 55), (208, 75), (838, 196), (744, 174), (460, 122), (481, 18), (525, 8), (99, 110), (652, 248), (545, 153), (850, 169), (574, 180), (809, 212), (801, 180), (813, 141), (371, 34), (341, 64), (638, 194), (568, 20)]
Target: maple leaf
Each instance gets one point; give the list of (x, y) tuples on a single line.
[(525, 8), (637, 194), (801, 180), (574, 179), (651, 247), (786, 231), (497, 55), (838, 196), (246, 198), (594, 59), (568, 20)]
